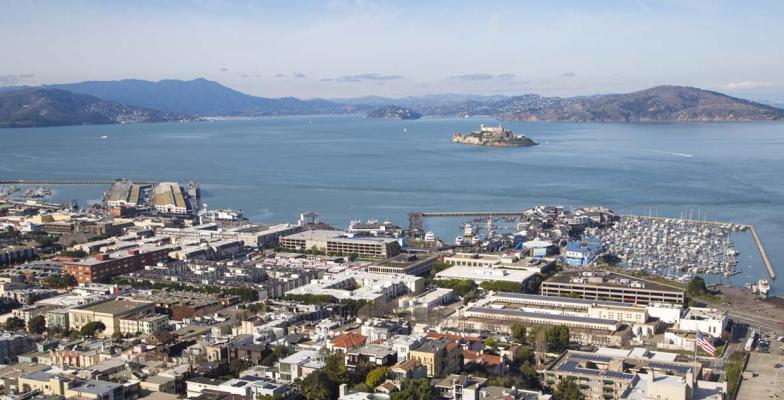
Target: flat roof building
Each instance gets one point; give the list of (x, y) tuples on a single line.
[(604, 285), (109, 312), (359, 285), (508, 261), (338, 242), (408, 264), (102, 267), (168, 198), (122, 193), (481, 274), (613, 373)]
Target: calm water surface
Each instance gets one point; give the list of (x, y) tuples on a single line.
[(349, 167)]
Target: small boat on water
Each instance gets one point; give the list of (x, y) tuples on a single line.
[(104, 137), (430, 236), (762, 289)]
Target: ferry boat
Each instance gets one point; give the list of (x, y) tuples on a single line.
[(468, 231), (762, 289)]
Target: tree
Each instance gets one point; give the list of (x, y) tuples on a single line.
[(335, 368), (415, 389), (376, 377), (460, 286), (529, 375), (278, 352), (525, 354), (69, 280), (533, 284), (518, 333), (440, 266), (697, 287), (318, 386), (91, 328), (59, 281), (236, 366), (74, 253), (540, 342), (558, 338), (14, 324), (37, 325), (567, 390), (500, 286)]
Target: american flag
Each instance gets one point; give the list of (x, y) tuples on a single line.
[(705, 344)]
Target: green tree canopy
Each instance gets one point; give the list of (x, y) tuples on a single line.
[(236, 366), (14, 324), (37, 325), (91, 328), (697, 287), (415, 389), (530, 378), (567, 390), (558, 339), (518, 333), (460, 286), (335, 368), (318, 386), (500, 286), (376, 377)]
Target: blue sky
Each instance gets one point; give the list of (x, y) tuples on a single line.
[(344, 48)]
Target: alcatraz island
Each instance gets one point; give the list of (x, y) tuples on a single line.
[(495, 136)]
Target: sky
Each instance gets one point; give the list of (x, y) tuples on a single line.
[(344, 48)]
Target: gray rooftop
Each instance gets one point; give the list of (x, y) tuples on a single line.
[(556, 317)]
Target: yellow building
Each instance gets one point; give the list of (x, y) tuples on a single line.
[(109, 312), (440, 357)]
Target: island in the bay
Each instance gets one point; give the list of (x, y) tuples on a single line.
[(394, 112), (495, 136)]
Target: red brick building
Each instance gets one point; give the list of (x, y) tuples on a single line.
[(103, 267)]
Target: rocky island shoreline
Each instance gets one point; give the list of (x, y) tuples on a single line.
[(495, 136)]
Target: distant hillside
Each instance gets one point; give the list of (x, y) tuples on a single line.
[(662, 103), (208, 98), (36, 106), (394, 112), (201, 97)]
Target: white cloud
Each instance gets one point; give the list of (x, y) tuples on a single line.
[(742, 85)]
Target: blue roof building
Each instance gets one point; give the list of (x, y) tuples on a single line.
[(583, 252)]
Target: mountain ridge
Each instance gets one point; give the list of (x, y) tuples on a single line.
[(198, 97), (173, 99), (26, 106)]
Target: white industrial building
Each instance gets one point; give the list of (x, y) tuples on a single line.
[(709, 321), (480, 274), (360, 285)]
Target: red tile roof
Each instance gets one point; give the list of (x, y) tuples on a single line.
[(349, 340)]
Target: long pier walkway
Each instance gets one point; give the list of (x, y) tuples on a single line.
[(68, 182), (761, 249)]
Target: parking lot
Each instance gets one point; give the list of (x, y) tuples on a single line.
[(763, 377)]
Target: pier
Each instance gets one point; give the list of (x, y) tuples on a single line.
[(416, 223), (761, 249), (68, 182)]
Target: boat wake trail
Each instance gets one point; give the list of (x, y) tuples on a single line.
[(673, 153)]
